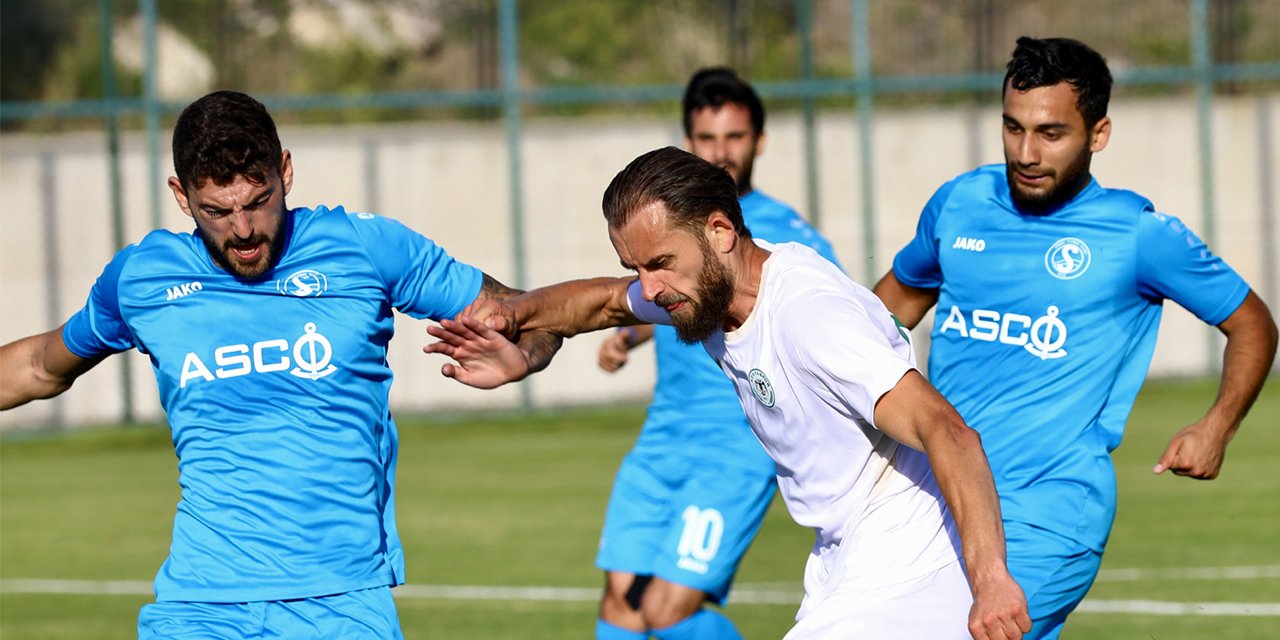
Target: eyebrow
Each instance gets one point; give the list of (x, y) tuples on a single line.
[(1047, 126), (212, 208)]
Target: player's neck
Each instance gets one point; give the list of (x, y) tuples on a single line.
[(749, 259)]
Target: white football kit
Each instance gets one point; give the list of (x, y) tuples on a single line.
[(809, 364)]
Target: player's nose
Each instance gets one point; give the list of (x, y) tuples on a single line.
[(241, 224), (650, 287)]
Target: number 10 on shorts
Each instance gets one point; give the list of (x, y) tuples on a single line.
[(703, 529)]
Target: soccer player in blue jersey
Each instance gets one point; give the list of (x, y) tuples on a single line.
[(267, 328), (1048, 289), (692, 493)]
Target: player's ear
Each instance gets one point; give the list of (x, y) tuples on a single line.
[(720, 233), (1100, 135), (760, 140), (286, 170), (180, 194)]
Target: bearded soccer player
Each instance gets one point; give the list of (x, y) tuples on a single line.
[(692, 493), (267, 328), (868, 454), (1048, 289)]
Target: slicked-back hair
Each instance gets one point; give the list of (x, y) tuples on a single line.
[(223, 135), (691, 189), (715, 87), (1043, 63)]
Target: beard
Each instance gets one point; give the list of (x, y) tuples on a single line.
[(272, 247), (1068, 183), (703, 316)]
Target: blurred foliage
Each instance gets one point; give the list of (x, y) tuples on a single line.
[(51, 49)]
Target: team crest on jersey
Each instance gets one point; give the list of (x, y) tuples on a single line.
[(303, 284), (1067, 259), (761, 387)]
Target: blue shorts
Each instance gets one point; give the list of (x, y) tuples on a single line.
[(1055, 573), (683, 519), (366, 614)]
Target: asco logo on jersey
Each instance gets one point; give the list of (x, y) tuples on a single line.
[(1067, 259), (303, 284)]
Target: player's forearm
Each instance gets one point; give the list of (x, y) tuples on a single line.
[(1247, 359), (35, 368), (960, 467), (538, 348), (574, 307)]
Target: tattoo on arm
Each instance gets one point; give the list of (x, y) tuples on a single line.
[(538, 346), (492, 289)]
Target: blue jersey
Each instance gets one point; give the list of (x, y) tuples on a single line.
[(276, 393), (695, 408), (1045, 327)]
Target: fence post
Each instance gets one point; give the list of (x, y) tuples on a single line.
[(509, 38)]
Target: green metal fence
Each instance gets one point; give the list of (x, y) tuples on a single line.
[(808, 55)]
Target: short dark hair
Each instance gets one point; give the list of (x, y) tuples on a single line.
[(715, 87), (1043, 63), (223, 135), (691, 189)]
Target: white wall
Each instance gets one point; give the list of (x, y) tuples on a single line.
[(449, 180)]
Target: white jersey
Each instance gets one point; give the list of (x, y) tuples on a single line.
[(809, 364)]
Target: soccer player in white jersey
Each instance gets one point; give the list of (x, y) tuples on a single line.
[(1049, 290), (827, 381), (267, 328), (691, 494)]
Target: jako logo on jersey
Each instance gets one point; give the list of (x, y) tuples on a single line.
[(760, 387), (303, 284), (173, 293), (1067, 258), (311, 355), (1042, 338), (969, 244)]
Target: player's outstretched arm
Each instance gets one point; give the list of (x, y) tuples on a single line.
[(479, 338), (907, 304), (1197, 450), (38, 367), (915, 414), (537, 346)]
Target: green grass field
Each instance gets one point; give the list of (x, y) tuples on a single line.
[(516, 501)]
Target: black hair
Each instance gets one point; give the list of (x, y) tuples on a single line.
[(716, 87), (223, 135), (1043, 63)]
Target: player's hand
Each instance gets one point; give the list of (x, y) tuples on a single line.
[(999, 610), (1195, 452), (615, 350), (483, 358), (497, 314)]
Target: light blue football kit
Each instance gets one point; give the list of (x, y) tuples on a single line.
[(1043, 333), (692, 493), (276, 392)]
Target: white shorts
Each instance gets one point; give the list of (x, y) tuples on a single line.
[(934, 606)]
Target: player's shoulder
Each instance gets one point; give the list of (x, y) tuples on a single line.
[(799, 271), (1121, 199)]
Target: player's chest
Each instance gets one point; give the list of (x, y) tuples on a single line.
[(305, 320), (1035, 264)]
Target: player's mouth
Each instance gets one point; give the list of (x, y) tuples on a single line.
[(1032, 179), (247, 252)]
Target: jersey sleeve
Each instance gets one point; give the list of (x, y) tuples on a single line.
[(846, 354), (98, 328), (1174, 263), (646, 311), (916, 265), (422, 279)]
